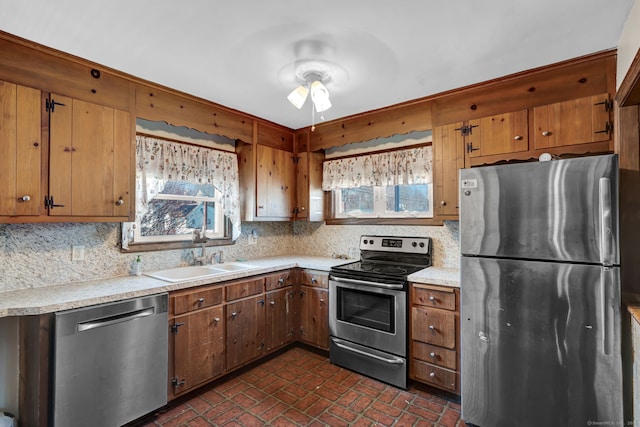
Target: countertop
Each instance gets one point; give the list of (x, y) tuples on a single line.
[(50, 299), (437, 276)]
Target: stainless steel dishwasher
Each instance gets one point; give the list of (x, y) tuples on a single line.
[(110, 362)]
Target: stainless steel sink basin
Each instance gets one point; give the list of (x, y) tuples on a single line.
[(181, 274)]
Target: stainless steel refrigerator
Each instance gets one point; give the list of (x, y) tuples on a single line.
[(540, 294)]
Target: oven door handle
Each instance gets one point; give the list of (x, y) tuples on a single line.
[(393, 361), (365, 282)]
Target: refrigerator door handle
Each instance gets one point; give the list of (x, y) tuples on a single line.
[(606, 223), (607, 295)]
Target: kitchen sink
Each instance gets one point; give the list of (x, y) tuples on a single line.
[(231, 266), (196, 272)]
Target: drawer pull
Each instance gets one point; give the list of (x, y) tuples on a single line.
[(432, 329), (272, 302), (434, 355), (234, 314), (432, 374), (314, 280), (281, 280), (546, 133), (216, 319), (321, 300), (518, 138), (432, 299), (200, 301)]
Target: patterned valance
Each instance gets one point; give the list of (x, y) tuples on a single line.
[(407, 166)]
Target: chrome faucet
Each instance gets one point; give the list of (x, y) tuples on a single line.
[(197, 238), (219, 257)]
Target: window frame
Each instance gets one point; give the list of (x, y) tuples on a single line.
[(216, 200), (379, 206)]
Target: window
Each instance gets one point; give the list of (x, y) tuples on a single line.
[(394, 184), (179, 210), (183, 191), (399, 201)]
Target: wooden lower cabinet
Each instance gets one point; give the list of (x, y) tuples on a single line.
[(434, 324), (245, 330), (215, 329), (280, 312), (196, 348), (314, 316)]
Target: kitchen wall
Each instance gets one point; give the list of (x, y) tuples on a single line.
[(36, 255), (629, 43), (312, 238)]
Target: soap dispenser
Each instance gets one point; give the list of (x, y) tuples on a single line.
[(137, 268)]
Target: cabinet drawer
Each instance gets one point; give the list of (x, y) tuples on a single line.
[(436, 355), (194, 300), (438, 377), (434, 298), (434, 326), (319, 279), (244, 289), (279, 280)]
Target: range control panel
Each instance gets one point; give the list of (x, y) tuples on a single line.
[(416, 245)]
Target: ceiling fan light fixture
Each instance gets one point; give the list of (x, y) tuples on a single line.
[(298, 96), (320, 96)]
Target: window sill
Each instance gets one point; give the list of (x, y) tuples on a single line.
[(384, 221), (185, 244)]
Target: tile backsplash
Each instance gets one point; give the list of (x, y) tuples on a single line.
[(36, 255)]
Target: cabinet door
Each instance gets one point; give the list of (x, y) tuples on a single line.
[(90, 159), (197, 347), (275, 182), (20, 150), (448, 152), (499, 134), (302, 186), (579, 121), (245, 330), (314, 316), (280, 318)]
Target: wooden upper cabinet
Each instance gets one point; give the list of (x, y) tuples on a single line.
[(448, 155), (275, 182), (579, 121), (499, 134), (90, 159), (20, 150)]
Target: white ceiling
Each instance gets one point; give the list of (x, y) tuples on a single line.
[(240, 53)]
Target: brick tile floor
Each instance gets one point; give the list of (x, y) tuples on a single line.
[(302, 388)]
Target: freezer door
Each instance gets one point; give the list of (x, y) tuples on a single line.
[(540, 343), (565, 210)]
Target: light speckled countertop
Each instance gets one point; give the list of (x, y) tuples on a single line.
[(81, 294), (437, 276)]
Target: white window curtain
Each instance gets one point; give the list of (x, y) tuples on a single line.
[(158, 161), (401, 167)]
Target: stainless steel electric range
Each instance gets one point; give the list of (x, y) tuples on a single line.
[(368, 306)]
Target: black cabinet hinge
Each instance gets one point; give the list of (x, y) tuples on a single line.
[(608, 104), (50, 105), (466, 130), (49, 204), (175, 326), (176, 382), (608, 128)]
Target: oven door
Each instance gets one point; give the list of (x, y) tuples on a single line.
[(369, 313)]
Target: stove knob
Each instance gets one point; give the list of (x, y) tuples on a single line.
[(422, 244), (414, 244), (371, 241), (365, 241)]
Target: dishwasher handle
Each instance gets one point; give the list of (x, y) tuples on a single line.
[(118, 318)]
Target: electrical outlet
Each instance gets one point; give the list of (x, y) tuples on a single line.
[(77, 252), (253, 238)]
